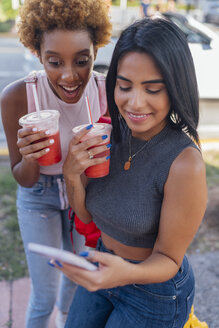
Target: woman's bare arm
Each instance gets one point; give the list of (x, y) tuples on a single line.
[(183, 208), (23, 154), (74, 166), (77, 195)]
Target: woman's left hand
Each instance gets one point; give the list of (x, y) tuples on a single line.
[(113, 271)]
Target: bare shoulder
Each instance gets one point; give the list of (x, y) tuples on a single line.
[(14, 93), (187, 175), (189, 163), (14, 88), (13, 106)]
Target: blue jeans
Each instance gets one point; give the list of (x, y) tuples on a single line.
[(43, 218), (161, 305)]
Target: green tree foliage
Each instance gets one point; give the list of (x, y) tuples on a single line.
[(6, 9)]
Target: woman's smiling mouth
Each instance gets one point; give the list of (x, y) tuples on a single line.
[(137, 117), (70, 89), (70, 92)]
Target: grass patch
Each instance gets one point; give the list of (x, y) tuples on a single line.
[(12, 257)]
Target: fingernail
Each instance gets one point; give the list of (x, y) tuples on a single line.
[(85, 253), (51, 141), (108, 146), (52, 265), (47, 150), (89, 127), (104, 137), (108, 157), (47, 132), (58, 263), (34, 129)]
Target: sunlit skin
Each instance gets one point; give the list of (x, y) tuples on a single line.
[(68, 58), (141, 95)]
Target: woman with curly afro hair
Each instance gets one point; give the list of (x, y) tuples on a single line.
[(65, 35)]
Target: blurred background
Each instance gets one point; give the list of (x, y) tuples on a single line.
[(199, 20)]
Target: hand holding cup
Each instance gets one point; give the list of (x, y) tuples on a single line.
[(88, 149), (33, 144), (44, 142)]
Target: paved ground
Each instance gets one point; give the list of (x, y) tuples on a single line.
[(13, 303), (206, 269), (14, 295)]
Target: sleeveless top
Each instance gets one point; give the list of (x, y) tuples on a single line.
[(71, 115), (126, 205)]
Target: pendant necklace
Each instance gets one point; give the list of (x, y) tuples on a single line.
[(127, 164)]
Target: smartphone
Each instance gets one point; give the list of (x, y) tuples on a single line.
[(61, 255)]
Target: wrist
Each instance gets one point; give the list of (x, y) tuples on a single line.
[(72, 179), (30, 161), (130, 273)]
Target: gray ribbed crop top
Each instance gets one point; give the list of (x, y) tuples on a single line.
[(126, 205)]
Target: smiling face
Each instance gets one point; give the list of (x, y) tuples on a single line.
[(67, 57), (141, 95)]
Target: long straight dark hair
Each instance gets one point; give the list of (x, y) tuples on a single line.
[(168, 46)]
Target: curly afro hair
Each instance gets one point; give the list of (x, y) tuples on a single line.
[(39, 16)]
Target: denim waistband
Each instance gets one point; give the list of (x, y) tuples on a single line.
[(49, 189), (49, 180)]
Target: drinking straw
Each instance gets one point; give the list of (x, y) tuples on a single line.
[(88, 110), (36, 100)]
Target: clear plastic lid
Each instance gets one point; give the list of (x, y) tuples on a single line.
[(35, 118), (98, 128)]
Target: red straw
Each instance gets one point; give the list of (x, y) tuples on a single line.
[(88, 110)]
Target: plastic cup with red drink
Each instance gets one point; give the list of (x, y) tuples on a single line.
[(98, 129), (47, 119)]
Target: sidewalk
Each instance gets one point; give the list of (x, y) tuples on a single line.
[(14, 295)]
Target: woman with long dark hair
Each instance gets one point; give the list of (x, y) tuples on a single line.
[(152, 202)]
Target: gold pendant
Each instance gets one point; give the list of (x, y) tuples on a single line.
[(127, 164)]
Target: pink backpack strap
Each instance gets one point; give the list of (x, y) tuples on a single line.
[(30, 80), (101, 83)]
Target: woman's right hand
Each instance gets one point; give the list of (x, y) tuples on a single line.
[(80, 156), (33, 144)]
